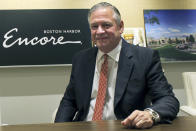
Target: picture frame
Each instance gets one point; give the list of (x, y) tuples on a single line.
[(172, 33), (134, 36)]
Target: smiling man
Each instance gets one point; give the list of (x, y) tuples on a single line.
[(116, 80), (105, 30)]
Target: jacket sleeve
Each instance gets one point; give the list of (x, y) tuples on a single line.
[(163, 99), (67, 107)]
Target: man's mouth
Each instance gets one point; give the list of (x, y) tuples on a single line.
[(101, 38)]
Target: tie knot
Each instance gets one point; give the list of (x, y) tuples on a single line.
[(105, 56)]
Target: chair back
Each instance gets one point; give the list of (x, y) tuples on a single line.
[(0, 116), (54, 115), (189, 79)]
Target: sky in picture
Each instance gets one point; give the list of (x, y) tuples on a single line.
[(173, 23)]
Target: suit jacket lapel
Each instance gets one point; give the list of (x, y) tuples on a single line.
[(125, 68), (91, 60)]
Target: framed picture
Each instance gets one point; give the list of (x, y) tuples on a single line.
[(134, 36), (172, 33)]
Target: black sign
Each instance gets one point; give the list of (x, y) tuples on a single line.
[(42, 37)]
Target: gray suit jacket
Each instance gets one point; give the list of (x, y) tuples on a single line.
[(139, 78)]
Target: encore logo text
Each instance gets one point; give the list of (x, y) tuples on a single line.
[(10, 40)]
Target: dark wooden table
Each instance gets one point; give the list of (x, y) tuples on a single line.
[(179, 124)]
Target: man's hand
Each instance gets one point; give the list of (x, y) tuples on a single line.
[(138, 119)]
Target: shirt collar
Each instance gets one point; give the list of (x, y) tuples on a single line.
[(114, 54)]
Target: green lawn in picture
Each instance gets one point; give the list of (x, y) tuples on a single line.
[(169, 52)]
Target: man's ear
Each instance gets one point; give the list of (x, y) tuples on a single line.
[(121, 27)]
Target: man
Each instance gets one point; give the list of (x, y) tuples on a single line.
[(136, 89)]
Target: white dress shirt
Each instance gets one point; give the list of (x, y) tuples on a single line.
[(113, 58)]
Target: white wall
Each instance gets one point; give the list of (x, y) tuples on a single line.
[(31, 94), (28, 109)]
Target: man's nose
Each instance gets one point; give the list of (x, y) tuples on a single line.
[(100, 30)]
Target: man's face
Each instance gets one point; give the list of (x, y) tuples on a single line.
[(105, 32)]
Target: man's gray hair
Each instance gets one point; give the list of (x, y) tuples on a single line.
[(116, 16)]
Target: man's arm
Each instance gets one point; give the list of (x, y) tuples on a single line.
[(161, 95), (67, 107)]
